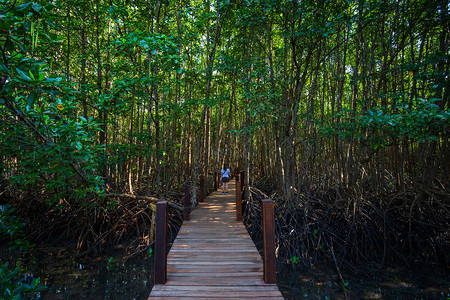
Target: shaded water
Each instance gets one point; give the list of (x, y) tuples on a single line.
[(103, 277), (397, 282)]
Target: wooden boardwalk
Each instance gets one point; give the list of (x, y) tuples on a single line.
[(214, 257)]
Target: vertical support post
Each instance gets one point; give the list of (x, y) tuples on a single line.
[(161, 243), (215, 181), (187, 202), (202, 188), (238, 200), (218, 180), (219, 183), (268, 226), (242, 180)]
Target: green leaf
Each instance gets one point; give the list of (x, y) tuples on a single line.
[(27, 25), (36, 282), (31, 75), (52, 80), (41, 76), (23, 75), (36, 7), (31, 99), (23, 6), (3, 68)]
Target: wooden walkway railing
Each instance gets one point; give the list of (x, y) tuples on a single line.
[(213, 255)]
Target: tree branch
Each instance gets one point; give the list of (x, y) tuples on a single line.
[(153, 199)]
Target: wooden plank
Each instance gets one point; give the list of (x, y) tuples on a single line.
[(202, 265), (218, 297), (171, 293), (213, 259), (264, 287), (213, 250), (220, 273), (225, 229), (216, 240), (221, 281), (231, 247), (212, 256), (211, 269)]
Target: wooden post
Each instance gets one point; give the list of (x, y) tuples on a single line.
[(268, 227), (238, 200), (187, 202), (218, 180), (161, 243), (202, 188)]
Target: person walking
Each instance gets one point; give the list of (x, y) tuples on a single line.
[(225, 178)]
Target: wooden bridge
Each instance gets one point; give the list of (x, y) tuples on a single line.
[(214, 257)]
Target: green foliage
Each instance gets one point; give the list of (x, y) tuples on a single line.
[(420, 120), (13, 283), (294, 259), (13, 286), (38, 109), (110, 264), (344, 285), (11, 229)]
